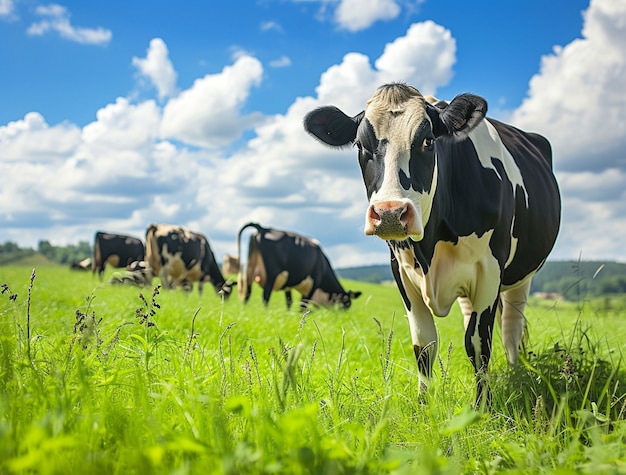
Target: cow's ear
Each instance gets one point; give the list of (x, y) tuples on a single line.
[(331, 126), (463, 114)]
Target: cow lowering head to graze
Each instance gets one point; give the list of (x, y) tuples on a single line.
[(181, 257), (117, 250), (469, 207), (281, 260)]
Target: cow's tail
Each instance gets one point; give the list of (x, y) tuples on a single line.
[(241, 275), (151, 253), (97, 254)]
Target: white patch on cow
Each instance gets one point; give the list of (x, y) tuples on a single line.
[(513, 249), (489, 146), (466, 269), (512, 318), (321, 298)]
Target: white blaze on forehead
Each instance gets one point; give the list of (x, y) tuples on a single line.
[(395, 114)]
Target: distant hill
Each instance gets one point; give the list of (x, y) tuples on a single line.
[(373, 274), (570, 278)]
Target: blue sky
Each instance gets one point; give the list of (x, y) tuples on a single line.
[(114, 115)]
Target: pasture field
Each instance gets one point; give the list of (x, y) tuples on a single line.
[(97, 378)]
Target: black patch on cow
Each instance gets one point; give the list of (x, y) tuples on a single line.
[(371, 157), (422, 161)]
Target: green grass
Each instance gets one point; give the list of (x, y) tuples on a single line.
[(96, 378)]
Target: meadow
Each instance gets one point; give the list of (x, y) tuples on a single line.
[(101, 378)]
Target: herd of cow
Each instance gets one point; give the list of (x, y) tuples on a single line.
[(277, 260), (469, 208)]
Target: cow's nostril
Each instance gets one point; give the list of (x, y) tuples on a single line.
[(406, 215), (373, 214)]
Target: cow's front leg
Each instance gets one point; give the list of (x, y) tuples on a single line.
[(424, 338), (478, 337)]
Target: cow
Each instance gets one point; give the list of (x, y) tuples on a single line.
[(116, 250), (281, 260), (469, 207), (181, 257)]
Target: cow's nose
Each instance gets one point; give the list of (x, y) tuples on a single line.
[(391, 220)]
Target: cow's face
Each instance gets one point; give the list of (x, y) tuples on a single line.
[(396, 136), (396, 147)]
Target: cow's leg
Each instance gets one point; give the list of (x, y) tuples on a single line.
[(424, 338), (267, 292), (513, 320), (288, 298), (478, 337)]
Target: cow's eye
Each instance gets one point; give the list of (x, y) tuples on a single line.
[(428, 142)]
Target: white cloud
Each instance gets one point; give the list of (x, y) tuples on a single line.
[(271, 26), (33, 140), (6, 8), (57, 19), (158, 68), (356, 15), (281, 62), (209, 113), (578, 101), (423, 57)]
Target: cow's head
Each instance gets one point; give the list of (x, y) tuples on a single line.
[(329, 299), (396, 136)]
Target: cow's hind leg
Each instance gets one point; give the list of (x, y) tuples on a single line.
[(288, 299), (513, 320)]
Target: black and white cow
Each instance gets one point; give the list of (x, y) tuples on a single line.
[(181, 257), (116, 250), (469, 207), (281, 260)]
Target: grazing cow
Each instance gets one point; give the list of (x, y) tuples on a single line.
[(116, 250), (181, 257), (469, 207), (280, 260)]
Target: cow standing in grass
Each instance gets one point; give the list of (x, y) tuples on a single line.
[(469, 207), (282, 260), (181, 257)]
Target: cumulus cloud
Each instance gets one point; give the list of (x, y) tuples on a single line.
[(57, 19), (6, 8), (208, 114), (356, 15), (158, 68), (423, 57), (578, 100)]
